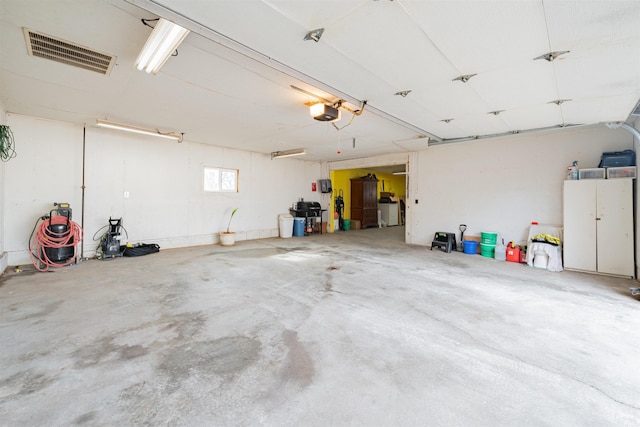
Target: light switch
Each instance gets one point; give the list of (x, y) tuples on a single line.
[(126, 194)]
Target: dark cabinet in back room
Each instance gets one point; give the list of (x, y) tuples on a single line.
[(364, 201)]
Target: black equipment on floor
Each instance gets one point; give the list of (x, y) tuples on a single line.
[(111, 242), (140, 249), (59, 254), (447, 241), (110, 245), (54, 239), (309, 211)]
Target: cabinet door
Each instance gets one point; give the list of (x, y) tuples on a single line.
[(615, 227), (357, 201), (370, 194), (580, 225), (369, 218)]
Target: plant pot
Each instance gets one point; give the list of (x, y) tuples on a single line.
[(228, 239)]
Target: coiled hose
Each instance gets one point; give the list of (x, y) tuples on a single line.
[(44, 238)]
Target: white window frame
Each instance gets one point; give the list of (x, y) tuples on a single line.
[(214, 180)]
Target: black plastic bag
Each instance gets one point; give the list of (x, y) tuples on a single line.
[(140, 249)]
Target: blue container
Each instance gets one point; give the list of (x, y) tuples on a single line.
[(470, 247), (298, 227)]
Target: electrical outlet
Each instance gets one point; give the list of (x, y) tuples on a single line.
[(126, 194)]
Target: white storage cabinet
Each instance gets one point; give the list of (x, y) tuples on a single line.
[(389, 212), (598, 226)]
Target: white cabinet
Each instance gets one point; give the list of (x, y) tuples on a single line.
[(598, 226), (389, 213)]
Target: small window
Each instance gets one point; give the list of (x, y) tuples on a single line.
[(222, 180)]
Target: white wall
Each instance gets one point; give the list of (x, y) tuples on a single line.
[(167, 204), (501, 184), (491, 185), (3, 255), (636, 147)]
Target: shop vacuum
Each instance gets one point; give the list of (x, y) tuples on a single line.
[(54, 241)]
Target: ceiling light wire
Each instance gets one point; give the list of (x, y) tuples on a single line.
[(355, 113), (555, 74), (146, 23)]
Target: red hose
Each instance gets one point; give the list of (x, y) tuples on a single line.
[(46, 238)]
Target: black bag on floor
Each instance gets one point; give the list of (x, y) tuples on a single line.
[(140, 249)]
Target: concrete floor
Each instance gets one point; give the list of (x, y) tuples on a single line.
[(353, 328)]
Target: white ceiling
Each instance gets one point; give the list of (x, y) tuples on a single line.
[(231, 83)]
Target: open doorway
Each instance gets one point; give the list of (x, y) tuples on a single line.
[(383, 189)]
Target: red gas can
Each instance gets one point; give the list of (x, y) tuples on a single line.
[(513, 253)]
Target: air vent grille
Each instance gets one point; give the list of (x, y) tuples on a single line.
[(49, 47)]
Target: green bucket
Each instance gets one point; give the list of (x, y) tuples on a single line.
[(489, 238), (346, 223), (487, 250)]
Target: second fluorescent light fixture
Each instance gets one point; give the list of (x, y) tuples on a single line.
[(289, 153), (163, 41), (135, 129)]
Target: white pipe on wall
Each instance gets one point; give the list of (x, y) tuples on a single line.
[(628, 127)]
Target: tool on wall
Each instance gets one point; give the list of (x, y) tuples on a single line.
[(53, 243)]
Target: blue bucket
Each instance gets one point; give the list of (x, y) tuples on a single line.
[(298, 227), (470, 247)]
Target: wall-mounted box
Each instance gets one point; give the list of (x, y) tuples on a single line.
[(593, 173), (621, 172), (325, 186)]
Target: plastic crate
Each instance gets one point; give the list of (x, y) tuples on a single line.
[(622, 172), (593, 173)]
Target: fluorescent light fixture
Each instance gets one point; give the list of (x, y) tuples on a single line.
[(324, 113), (399, 173), (134, 129), (156, 8), (163, 41), (289, 153)]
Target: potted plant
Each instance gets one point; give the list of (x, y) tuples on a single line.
[(228, 238)]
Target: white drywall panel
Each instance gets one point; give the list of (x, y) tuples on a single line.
[(47, 169), (3, 255), (501, 184), (166, 202), (152, 171), (636, 147)]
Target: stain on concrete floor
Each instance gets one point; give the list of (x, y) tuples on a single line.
[(298, 367), (416, 336), (25, 383), (222, 357)]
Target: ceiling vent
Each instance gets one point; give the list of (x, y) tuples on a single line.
[(49, 47)]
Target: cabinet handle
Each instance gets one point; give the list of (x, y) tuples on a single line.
[(598, 219)]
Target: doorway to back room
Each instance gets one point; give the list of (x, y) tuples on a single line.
[(370, 199)]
